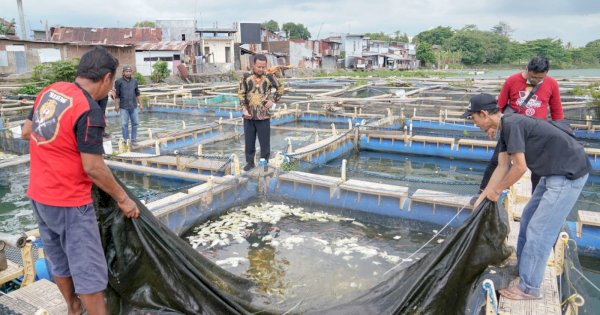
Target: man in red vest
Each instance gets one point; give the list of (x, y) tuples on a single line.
[(66, 158)]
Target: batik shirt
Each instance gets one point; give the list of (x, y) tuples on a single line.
[(255, 91)]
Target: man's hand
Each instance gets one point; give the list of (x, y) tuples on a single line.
[(245, 113), (268, 104), (491, 134), (493, 195), (117, 107), (140, 107), (129, 208)]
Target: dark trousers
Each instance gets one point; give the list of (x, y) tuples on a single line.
[(493, 163), (252, 129)]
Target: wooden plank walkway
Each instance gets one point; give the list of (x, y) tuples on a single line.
[(42, 294)]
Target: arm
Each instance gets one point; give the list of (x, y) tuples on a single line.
[(499, 173), (117, 96), (518, 168), (241, 94), (279, 88), (94, 167), (26, 129), (556, 110), (504, 97), (137, 96)]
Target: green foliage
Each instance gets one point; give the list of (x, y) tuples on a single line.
[(144, 24), (271, 25), (50, 72), (425, 54), (160, 71), (378, 36), (593, 48), (290, 166), (470, 44), (400, 37), (29, 89), (359, 82), (436, 36), (446, 57), (139, 78), (295, 31), (502, 29), (8, 29)]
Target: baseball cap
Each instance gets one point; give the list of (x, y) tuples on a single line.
[(480, 102)]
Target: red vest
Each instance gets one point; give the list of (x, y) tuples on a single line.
[(56, 175)]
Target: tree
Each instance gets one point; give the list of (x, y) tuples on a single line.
[(593, 48), (425, 53), (470, 44), (436, 36), (502, 29), (271, 25), (400, 38), (295, 31), (378, 36), (144, 24), (446, 57), (160, 71), (550, 48), (7, 28)]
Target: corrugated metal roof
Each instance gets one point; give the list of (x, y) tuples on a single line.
[(106, 35), (166, 45)]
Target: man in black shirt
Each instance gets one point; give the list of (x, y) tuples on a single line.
[(128, 102), (550, 150)]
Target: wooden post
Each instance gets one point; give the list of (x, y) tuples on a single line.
[(389, 112), (402, 113), (356, 135), (405, 134), (121, 145), (230, 115), (344, 164), (333, 129), (559, 252), (349, 123), (157, 147), (183, 125), (150, 133), (289, 146), (316, 136), (28, 265), (235, 166), (178, 162), (308, 107), (360, 111), (414, 112), (200, 149)]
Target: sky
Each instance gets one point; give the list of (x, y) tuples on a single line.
[(575, 21)]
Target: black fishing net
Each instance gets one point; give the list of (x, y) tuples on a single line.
[(152, 270)]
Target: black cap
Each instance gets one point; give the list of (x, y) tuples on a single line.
[(480, 102)]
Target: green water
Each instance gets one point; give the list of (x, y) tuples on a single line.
[(16, 215)]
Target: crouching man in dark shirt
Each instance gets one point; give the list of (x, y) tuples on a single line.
[(550, 150)]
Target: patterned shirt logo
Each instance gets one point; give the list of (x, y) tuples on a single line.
[(46, 118)]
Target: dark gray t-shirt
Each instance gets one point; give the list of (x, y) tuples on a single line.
[(127, 91), (548, 149)]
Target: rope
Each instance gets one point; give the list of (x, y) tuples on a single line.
[(585, 278), (429, 241), (488, 289)]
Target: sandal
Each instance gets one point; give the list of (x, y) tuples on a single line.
[(514, 293)]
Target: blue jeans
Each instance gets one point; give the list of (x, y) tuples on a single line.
[(541, 221), (126, 115)]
